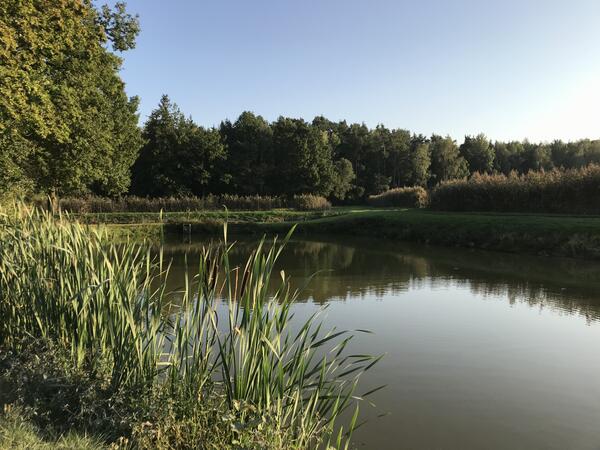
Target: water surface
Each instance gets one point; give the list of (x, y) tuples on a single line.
[(483, 350)]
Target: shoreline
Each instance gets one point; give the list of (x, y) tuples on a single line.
[(542, 235)]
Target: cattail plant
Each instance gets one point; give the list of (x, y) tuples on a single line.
[(224, 334)]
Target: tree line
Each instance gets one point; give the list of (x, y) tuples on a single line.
[(345, 162), (68, 128)]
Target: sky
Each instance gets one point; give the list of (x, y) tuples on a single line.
[(512, 69)]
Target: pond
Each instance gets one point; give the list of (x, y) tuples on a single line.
[(482, 350)]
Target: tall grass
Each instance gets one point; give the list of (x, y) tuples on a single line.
[(310, 202), (406, 197), (575, 191), (94, 204), (224, 336)]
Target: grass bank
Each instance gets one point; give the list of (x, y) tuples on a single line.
[(270, 216), (152, 225), (550, 235), (540, 234)]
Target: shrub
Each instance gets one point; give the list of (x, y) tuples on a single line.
[(309, 202), (406, 197), (574, 191)]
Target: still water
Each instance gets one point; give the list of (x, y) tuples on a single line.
[(482, 350)]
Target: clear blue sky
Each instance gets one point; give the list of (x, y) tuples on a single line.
[(510, 68)]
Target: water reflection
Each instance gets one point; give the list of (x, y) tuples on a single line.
[(483, 350), (359, 268)]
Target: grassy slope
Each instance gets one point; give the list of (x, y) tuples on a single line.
[(550, 235), (540, 234)]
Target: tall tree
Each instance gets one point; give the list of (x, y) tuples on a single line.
[(249, 164), (535, 157), (478, 152), (343, 172), (398, 151), (303, 158), (354, 143), (374, 176), (343, 176), (66, 125), (446, 161), (178, 158), (508, 156), (420, 161)]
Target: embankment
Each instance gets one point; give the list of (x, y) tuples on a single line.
[(550, 235)]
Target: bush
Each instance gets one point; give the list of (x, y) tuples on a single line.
[(575, 191), (406, 197), (309, 202)]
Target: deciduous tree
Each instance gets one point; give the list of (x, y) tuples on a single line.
[(66, 124)]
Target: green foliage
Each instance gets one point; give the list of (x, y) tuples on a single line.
[(353, 146), (68, 128), (405, 197), (66, 125), (178, 157), (446, 161), (304, 158), (343, 177), (397, 166), (420, 160), (478, 152), (508, 156), (574, 191), (120, 28), (535, 157), (575, 154), (102, 308), (249, 141)]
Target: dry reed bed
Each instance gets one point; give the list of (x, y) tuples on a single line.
[(575, 191)]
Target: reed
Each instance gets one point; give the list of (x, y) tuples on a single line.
[(404, 197), (310, 202), (223, 335), (574, 191), (95, 204)]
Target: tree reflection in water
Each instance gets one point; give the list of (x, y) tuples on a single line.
[(358, 267)]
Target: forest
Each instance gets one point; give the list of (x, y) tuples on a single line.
[(341, 161), (67, 128), (172, 156)]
